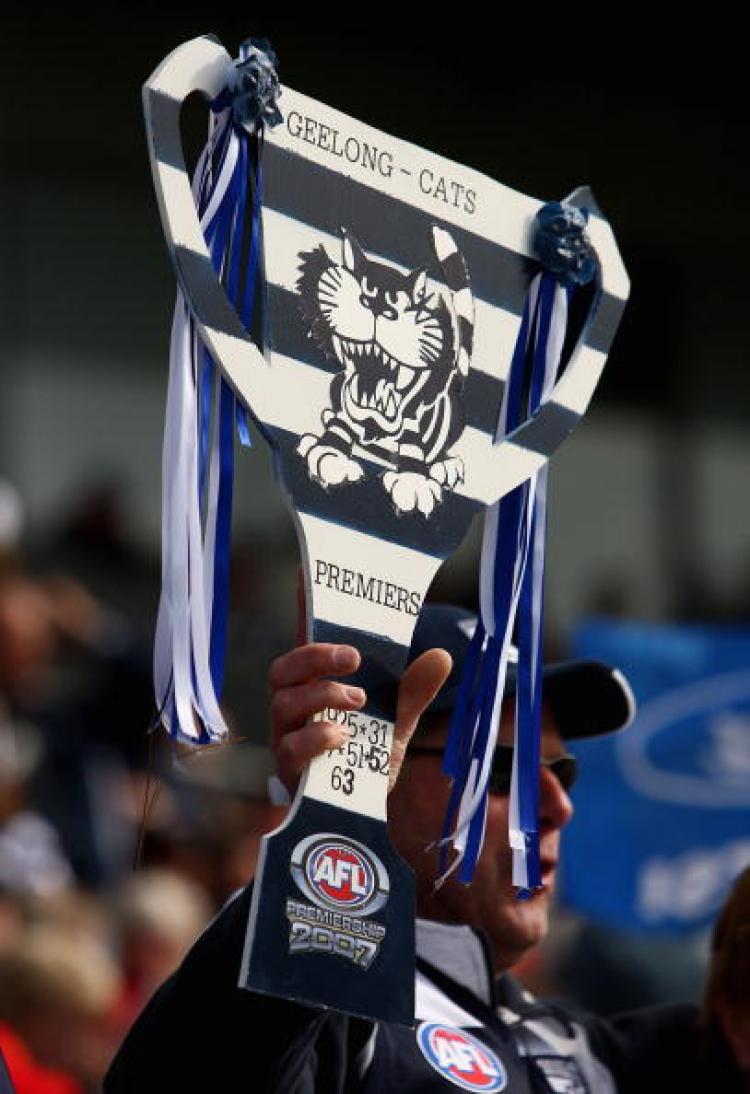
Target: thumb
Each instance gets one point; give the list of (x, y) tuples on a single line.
[(419, 685)]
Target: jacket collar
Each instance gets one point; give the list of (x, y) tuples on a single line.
[(460, 952)]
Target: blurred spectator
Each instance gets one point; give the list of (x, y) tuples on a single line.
[(158, 917), (11, 526), (28, 640), (75, 701), (727, 1003), (94, 545), (57, 994), (31, 858), (222, 797), (11, 921), (607, 971)]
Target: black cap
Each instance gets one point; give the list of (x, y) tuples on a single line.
[(587, 698)]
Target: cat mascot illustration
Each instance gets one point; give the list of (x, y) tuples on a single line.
[(403, 351)]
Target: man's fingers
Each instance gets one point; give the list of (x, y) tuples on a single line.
[(419, 685), (311, 661), (299, 688), (299, 693), (295, 750), (292, 706)]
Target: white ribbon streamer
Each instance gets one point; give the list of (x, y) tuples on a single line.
[(185, 693)]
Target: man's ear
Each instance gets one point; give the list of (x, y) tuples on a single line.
[(353, 257), (736, 1028)]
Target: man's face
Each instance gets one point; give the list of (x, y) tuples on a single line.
[(415, 814)]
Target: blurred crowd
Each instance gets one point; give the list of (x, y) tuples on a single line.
[(115, 851)]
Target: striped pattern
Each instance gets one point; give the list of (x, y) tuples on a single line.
[(453, 266), (314, 186), (367, 567), (200, 65)]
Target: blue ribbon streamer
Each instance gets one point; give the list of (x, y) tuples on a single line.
[(472, 714), (519, 539), (231, 412), (529, 690), (225, 237)]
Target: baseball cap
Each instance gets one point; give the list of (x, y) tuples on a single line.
[(587, 698)]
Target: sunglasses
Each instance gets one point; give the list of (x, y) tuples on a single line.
[(564, 768)]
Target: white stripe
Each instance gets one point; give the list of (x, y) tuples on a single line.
[(198, 65), (615, 280), (339, 432), (436, 446), (491, 472), (445, 244), (388, 564), (212, 499), (439, 413), (312, 387), (412, 450), (574, 390), (495, 330), (501, 215), (463, 302)]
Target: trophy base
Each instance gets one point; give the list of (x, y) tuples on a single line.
[(332, 917)]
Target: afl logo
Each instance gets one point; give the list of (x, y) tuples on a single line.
[(460, 1058), (340, 874)]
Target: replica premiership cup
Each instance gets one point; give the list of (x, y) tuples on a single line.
[(414, 341)]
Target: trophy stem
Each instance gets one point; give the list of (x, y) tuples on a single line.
[(332, 916)]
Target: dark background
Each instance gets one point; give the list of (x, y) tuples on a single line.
[(654, 119), (648, 500)]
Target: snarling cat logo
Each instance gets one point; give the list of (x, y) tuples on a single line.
[(403, 349)]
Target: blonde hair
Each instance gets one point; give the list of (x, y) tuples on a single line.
[(53, 969), (163, 903)]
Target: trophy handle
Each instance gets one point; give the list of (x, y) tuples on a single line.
[(508, 463), (332, 916), (349, 947), (199, 65)]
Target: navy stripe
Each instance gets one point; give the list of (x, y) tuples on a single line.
[(287, 330), (482, 401), (366, 506), (198, 276), (386, 226), (465, 333), (164, 118), (454, 269), (547, 430), (383, 663), (435, 426), (601, 333)]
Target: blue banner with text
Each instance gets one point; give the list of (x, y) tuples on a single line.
[(663, 808)]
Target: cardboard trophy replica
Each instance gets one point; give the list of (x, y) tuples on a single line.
[(414, 341)]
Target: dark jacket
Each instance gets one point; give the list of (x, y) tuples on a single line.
[(201, 1032)]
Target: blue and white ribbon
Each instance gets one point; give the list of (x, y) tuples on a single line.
[(201, 416), (511, 583)]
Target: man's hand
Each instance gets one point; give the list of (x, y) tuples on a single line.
[(300, 688)]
